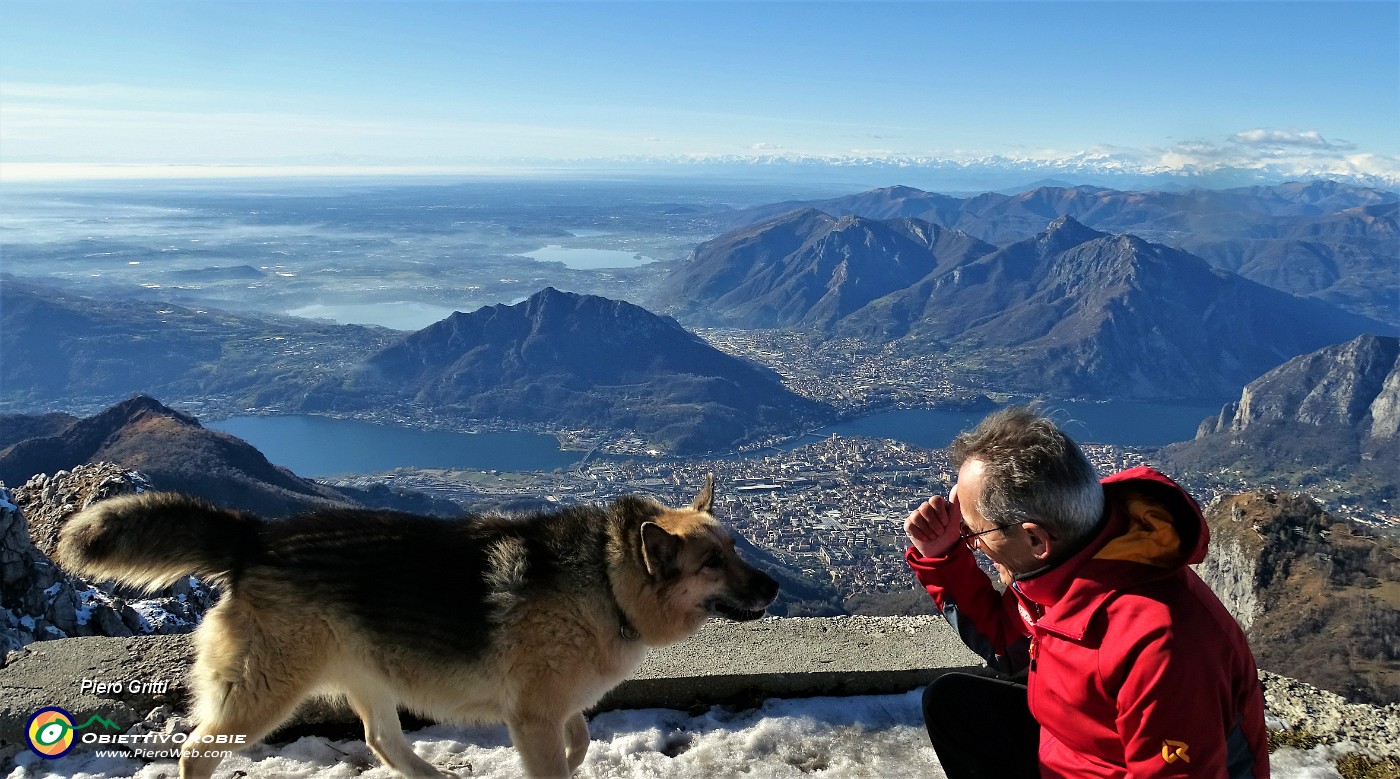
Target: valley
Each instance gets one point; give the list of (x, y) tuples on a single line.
[(343, 250), (888, 299)]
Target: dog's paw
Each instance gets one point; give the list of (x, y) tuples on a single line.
[(457, 771)]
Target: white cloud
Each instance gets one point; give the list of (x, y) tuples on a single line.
[(1222, 162), (1311, 139), (1374, 165)]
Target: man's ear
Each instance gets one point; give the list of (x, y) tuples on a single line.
[(706, 499), (1043, 544), (659, 550)]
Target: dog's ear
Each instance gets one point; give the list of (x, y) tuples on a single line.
[(659, 550), (706, 499)]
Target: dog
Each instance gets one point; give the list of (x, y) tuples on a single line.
[(522, 619)]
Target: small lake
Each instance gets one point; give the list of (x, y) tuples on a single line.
[(402, 315), (589, 259), (314, 446), (321, 446)]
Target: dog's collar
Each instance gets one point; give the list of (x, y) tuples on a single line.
[(625, 628)]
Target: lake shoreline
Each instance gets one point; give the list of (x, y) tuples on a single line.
[(319, 446)]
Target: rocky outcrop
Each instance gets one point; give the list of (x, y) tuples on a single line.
[(1314, 592), (1385, 409), (175, 453), (48, 500), (1353, 386), (1326, 423), (41, 601), (1299, 706), (1232, 571)]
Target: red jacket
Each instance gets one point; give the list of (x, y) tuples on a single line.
[(1136, 668)]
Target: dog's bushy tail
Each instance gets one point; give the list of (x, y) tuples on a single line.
[(152, 540)]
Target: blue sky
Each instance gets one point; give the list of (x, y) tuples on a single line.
[(465, 83)]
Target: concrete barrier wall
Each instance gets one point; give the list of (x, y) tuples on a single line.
[(730, 662), (725, 663)]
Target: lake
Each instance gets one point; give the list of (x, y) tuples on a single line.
[(320, 446), (1123, 423), (589, 259), (400, 315)]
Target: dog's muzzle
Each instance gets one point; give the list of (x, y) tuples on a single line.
[(749, 601), (737, 614)]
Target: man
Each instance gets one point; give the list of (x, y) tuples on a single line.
[(1134, 668)]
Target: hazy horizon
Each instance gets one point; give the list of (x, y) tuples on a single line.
[(1215, 92)]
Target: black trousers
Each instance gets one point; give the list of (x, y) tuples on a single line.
[(981, 727)]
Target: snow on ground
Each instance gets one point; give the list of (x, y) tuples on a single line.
[(879, 737)]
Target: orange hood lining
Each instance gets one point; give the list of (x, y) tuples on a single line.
[(1151, 538)]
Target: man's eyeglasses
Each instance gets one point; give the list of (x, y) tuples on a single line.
[(970, 538)]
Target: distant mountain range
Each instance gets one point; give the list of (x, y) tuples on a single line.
[(1127, 170), (998, 217), (1329, 418), (570, 360), (1069, 311), (1321, 238)]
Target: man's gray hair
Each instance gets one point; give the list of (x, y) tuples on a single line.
[(1032, 472)]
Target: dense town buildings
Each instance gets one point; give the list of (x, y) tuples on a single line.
[(834, 509)]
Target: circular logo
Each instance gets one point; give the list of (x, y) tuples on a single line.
[(50, 732)]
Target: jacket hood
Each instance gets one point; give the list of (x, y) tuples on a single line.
[(1155, 508), (1153, 529)]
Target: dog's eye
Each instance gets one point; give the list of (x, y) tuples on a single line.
[(713, 560)]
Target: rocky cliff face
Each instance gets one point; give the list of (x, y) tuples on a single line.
[(1231, 569), (1319, 597), (1352, 386), (1324, 423), (41, 601)]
